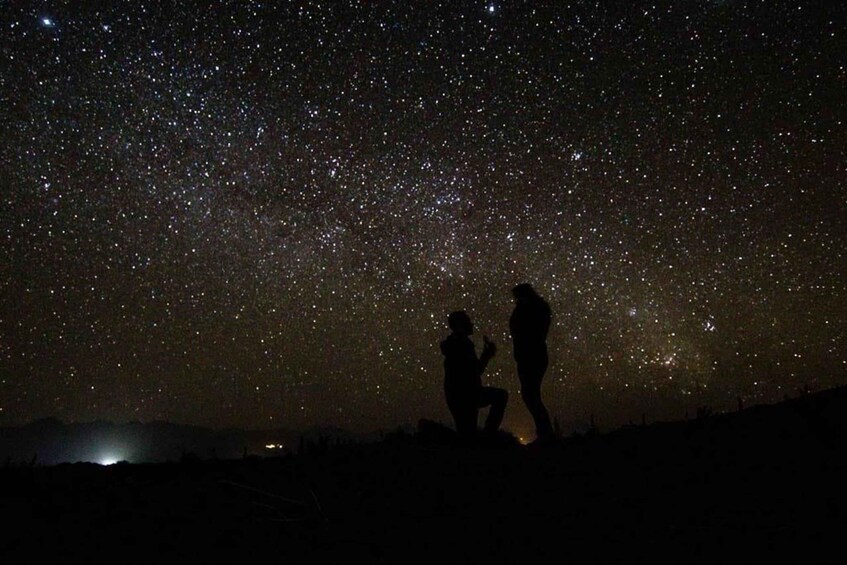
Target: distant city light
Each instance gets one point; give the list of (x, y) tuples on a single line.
[(109, 459)]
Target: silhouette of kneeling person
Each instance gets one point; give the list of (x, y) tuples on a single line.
[(463, 379)]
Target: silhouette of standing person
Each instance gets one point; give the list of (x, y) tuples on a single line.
[(529, 324), (463, 379)]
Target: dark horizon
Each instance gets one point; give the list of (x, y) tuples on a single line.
[(233, 215), (766, 482), (813, 415)]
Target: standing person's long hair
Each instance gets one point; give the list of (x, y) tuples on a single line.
[(533, 325)]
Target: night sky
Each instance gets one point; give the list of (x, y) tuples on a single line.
[(259, 214)]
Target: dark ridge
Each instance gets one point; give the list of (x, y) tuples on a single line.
[(764, 484)]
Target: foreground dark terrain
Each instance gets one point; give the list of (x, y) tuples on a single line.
[(764, 484)]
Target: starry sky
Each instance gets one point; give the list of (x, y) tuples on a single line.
[(259, 214)]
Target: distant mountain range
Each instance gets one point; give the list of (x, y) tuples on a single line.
[(811, 417), (50, 441)]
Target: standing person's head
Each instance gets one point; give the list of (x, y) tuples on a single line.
[(525, 293), (460, 322)]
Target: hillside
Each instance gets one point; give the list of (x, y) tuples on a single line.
[(764, 483)]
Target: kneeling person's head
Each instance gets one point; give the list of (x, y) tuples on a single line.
[(459, 321)]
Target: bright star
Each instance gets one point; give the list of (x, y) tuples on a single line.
[(491, 8), (47, 22)]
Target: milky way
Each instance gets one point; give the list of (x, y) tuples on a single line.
[(260, 213)]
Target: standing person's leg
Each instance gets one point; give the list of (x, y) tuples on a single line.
[(497, 399), (530, 377)]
